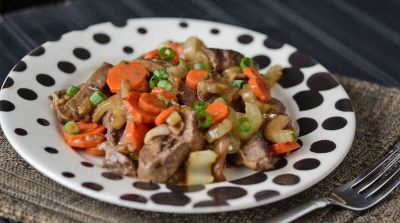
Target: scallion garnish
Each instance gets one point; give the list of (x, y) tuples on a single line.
[(238, 83), (166, 84), (72, 90), (71, 128), (220, 99), (245, 124), (183, 64), (153, 81), (167, 53), (200, 106), (204, 120), (161, 73), (246, 62), (97, 97), (206, 77), (200, 66)]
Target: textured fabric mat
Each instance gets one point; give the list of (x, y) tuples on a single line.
[(28, 196)]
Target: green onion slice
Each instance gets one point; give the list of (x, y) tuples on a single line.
[(72, 90), (153, 81), (200, 106), (183, 64), (245, 124), (246, 62), (167, 53), (238, 83), (206, 77), (161, 73), (97, 97), (166, 84), (200, 66), (204, 120), (220, 99), (71, 128)]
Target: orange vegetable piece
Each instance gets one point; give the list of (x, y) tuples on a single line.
[(218, 111), (91, 134), (161, 92), (135, 73), (135, 132), (154, 54), (95, 151), (259, 88), (250, 72), (160, 119), (138, 115), (150, 103), (281, 148), (178, 48), (194, 77)]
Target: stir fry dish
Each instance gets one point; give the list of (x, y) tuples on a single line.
[(179, 114)]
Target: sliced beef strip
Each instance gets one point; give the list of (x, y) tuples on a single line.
[(153, 64), (79, 108), (222, 59), (112, 134), (186, 96), (161, 158), (254, 154), (117, 162)]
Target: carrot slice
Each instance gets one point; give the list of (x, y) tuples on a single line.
[(160, 119), (86, 139), (194, 77), (143, 87), (250, 72), (135, 73), (161, 92), (134, 134), (152, 54), (87, 127), (281, 148), (95, 151), (218, 111), (150, 103), (259, 88), (178, 48), (138, 115)]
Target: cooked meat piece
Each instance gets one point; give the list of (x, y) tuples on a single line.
[(161, 158), (117, 162), (79, 108), (254, 154), (153, 64), (222, 59), (186, 95), (220, 147), (112, 134)]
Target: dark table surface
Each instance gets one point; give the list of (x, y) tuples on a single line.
[(356, 38)]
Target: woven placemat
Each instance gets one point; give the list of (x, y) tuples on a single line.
[(28, 196)]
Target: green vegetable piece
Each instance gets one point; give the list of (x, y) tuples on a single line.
[(200, 106), (97, 97), (200, 66), (161, 73), (220, 99), (153, 81), (166, 84), (71, 128), (206, 77), (204, 120), (246, 62), (167, 53), (72, 90), (238, 83), (245, 124), (183, 64)]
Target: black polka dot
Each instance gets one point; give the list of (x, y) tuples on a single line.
[(20, 131), (214, 31), (210, 203), (142, 30), (128, 49), (183, 24), (322, 146), (51, 150), (291, 77), (20, 66), (299, 142), (37, 51), (282, 162), (119, 23), (66, 67), (321, 81), (27, 94), (300, 60), (86, 164), (272, 44), (185, 189), (134, 198), (265, 194), (262, 61), (245, 39), (43, 121), (101, 38), (251, 179), (344, 104), (286, 179), (6, 106), (8, 82), (45, 80), (111, 176), (306, 125), (306, 100), (146, 185), (93, 186), (68, 174), (334, 123), (175, 199), (226, 193), (81, 53), (306, 164)]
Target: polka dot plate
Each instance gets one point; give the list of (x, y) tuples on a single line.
[(317, 103)]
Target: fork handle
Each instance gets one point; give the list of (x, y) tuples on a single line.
[(299, 211)]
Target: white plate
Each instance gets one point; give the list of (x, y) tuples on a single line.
[(317, 103)]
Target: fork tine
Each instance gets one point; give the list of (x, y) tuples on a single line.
[(385, 182), (375, 166)]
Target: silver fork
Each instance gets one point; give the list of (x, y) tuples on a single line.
[(359, 194)]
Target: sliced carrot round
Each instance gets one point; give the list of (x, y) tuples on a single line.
[(150, 103), (194, 77), (134, 134), (135, 73), (160, 119), (259, 88), (281, 148), (218, 111), (250, 72), (152, 54), (161, 92), (95, 151)]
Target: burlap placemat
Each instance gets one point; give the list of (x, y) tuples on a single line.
[(28, 196)]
